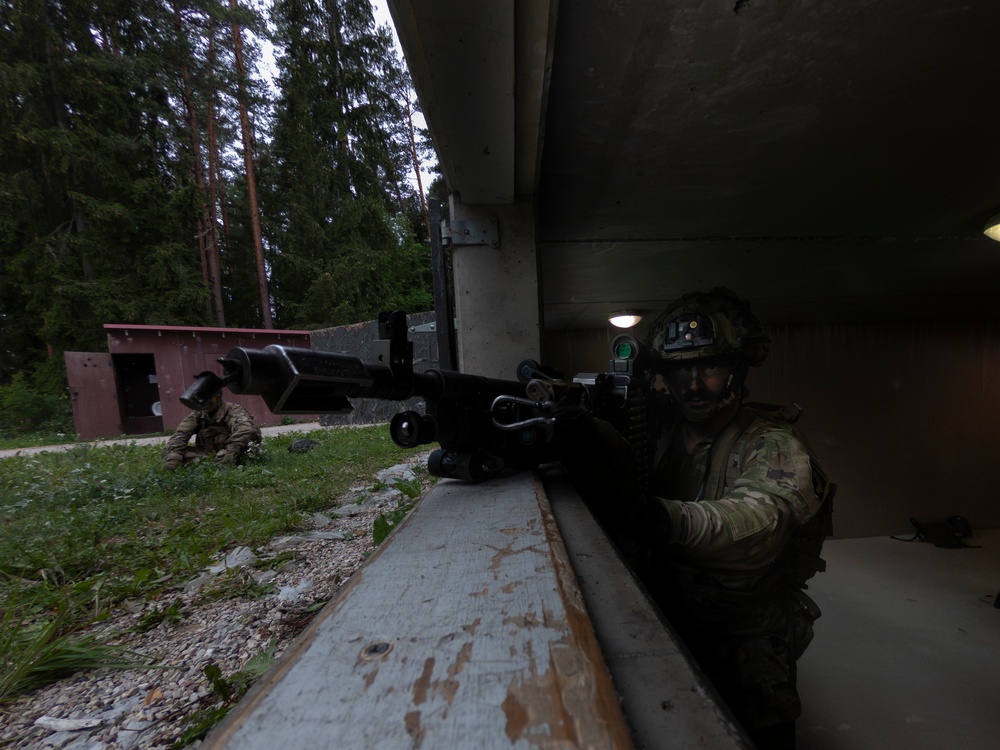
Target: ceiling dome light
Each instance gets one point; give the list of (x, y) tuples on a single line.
[(624, 318), (993, 228)]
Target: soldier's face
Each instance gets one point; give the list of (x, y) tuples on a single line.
[(700, 388), (213, 403)]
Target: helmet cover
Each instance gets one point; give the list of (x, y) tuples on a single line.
[(702, 325)]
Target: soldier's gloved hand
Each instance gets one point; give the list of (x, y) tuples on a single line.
[(601, 464), (225, 457)]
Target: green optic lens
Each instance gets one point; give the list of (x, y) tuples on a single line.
[(624, 350)]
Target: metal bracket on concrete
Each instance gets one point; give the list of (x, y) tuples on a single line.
[(471, 232), (430, 327)]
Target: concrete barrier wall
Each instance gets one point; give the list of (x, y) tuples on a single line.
[(357, 340)]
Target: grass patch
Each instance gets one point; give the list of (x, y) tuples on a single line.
[(35, 439), (93, 526), (38, 650)]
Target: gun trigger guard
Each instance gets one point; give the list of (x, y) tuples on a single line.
[(502, 406)]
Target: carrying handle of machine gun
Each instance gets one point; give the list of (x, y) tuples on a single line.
[(542, 413), (506, 408), (547, 400)]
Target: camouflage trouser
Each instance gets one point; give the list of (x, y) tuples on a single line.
[(756, 674), (746, 642), (756, 677)]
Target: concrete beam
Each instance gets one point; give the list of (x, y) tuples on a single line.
[(496, 292), (461, 58)]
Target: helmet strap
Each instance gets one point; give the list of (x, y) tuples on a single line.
[(737, 381)]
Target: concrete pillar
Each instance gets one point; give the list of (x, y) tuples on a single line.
[(496, 292)]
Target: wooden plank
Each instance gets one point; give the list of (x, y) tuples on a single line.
[(667, 701), (466, 629)]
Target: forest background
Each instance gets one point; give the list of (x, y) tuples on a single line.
[(154, 171)]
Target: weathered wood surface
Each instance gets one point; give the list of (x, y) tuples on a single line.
[(667, 702), (466, 630)]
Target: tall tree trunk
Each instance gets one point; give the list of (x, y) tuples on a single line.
[(258, 242), (212, 244), (206, 233), (416, 162), (62, 122), (212, 230), (220, 183), (337, 39)]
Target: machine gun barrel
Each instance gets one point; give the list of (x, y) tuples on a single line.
[(292, 380), (484, 426)]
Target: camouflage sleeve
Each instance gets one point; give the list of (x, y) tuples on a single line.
[(747, 528), (182, 436), (242, 430)]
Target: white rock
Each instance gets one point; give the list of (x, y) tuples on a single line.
[(238, 558), (66, 725)]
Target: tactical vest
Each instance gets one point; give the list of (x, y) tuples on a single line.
[(802, 552), (215, 433), (734, 600)]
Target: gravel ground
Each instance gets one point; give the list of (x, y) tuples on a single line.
[(148, 709)]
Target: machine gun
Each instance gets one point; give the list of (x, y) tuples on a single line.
[(484, 426)]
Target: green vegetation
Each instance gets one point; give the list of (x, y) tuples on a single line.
[(386, 522), (154, 170), (37, 651), (229, 690), (29, 416), (85, 529)]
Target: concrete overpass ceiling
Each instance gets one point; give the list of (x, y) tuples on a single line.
[(461, 57), (827, 160)]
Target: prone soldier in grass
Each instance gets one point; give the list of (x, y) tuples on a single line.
[(222, 431)]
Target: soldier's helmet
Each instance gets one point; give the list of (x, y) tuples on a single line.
[(711, 324)]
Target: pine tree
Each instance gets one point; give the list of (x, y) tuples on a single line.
[(253, 204), (85, 177), (336, 160), (127, 168)]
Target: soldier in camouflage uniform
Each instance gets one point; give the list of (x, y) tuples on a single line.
[(734, 519), (222, 431)]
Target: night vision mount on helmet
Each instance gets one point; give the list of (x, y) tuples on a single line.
[(704, 325)]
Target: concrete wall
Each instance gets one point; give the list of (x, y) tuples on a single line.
[(905, 417), (356, 340), (496, 292)]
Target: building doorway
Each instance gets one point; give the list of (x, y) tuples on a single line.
[(139, 393)]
